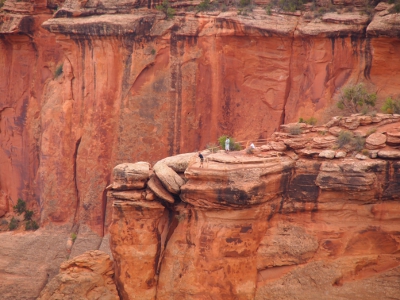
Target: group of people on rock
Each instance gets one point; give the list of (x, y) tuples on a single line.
[(227, 143)]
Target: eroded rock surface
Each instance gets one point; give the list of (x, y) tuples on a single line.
[(87, 276), (269, 225)]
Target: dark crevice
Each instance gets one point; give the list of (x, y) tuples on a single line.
[(75, 180)]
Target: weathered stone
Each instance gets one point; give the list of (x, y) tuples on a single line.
[(136, 244), (340, 154), (180, 162), (156, 186), (130, 176), (168, 177), (277, 146), (297, 143), (391, 154), (285, 245), (327, 154), (335, 130), (324, 142), (375, 141), (393, 137), (350, 122), (88, 276), (361, 157)]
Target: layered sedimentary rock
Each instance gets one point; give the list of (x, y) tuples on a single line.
[(267, 224), (152, 87), (87, 85)]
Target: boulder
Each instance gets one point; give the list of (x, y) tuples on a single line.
[(375, 141), (324, 142), (297, 143), (327, 154), (350, 123), (168, 177), (392, 154), (361, 157), (335, 130), (128, 176), (393, 137), (156, 186), (340, 154), (277, 146), (88, 276), (180, 162)]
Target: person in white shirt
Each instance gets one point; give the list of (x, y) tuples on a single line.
[(227, 141)]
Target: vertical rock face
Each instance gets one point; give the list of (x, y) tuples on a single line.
[(136, 247), (99, 83), (270, 225), (134, 86)]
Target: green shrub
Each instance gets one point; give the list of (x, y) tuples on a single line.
[(58, 71), (73, 236), (358, 143), (2, 3), (309, 121), (204, 5), (13, 224), (355, 97), (391, 106), (31, 225), (20, 207), (232, 144), (166, 8), (344, 138), (244, 3), (289, 5), (295, 129), (153, 51), (365, 152), (28, 215), (268, 9)]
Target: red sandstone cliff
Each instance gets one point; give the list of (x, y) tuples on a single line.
[(135, 86), (302, 222)]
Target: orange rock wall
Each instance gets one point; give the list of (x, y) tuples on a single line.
[(168, 87)]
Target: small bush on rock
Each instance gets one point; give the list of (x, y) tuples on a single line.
[(166, 8), (13, 224), (357, 143), (295, 129), (232, 144), (31, 225), (28, 215), (58, 71), (20, 207), (344, 138), (391, 106), (354, 98)]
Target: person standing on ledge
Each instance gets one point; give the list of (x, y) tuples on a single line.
[(201, 160), (227, 141)]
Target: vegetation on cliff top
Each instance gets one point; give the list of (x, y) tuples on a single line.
[(166, 8)]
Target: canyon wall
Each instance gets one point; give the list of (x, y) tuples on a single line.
[(86, 85), (295, 219)]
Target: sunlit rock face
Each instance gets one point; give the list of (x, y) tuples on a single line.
[(268, 224), (87, 85)]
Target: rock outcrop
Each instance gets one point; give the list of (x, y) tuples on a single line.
[(87, 276), (317, 217)]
